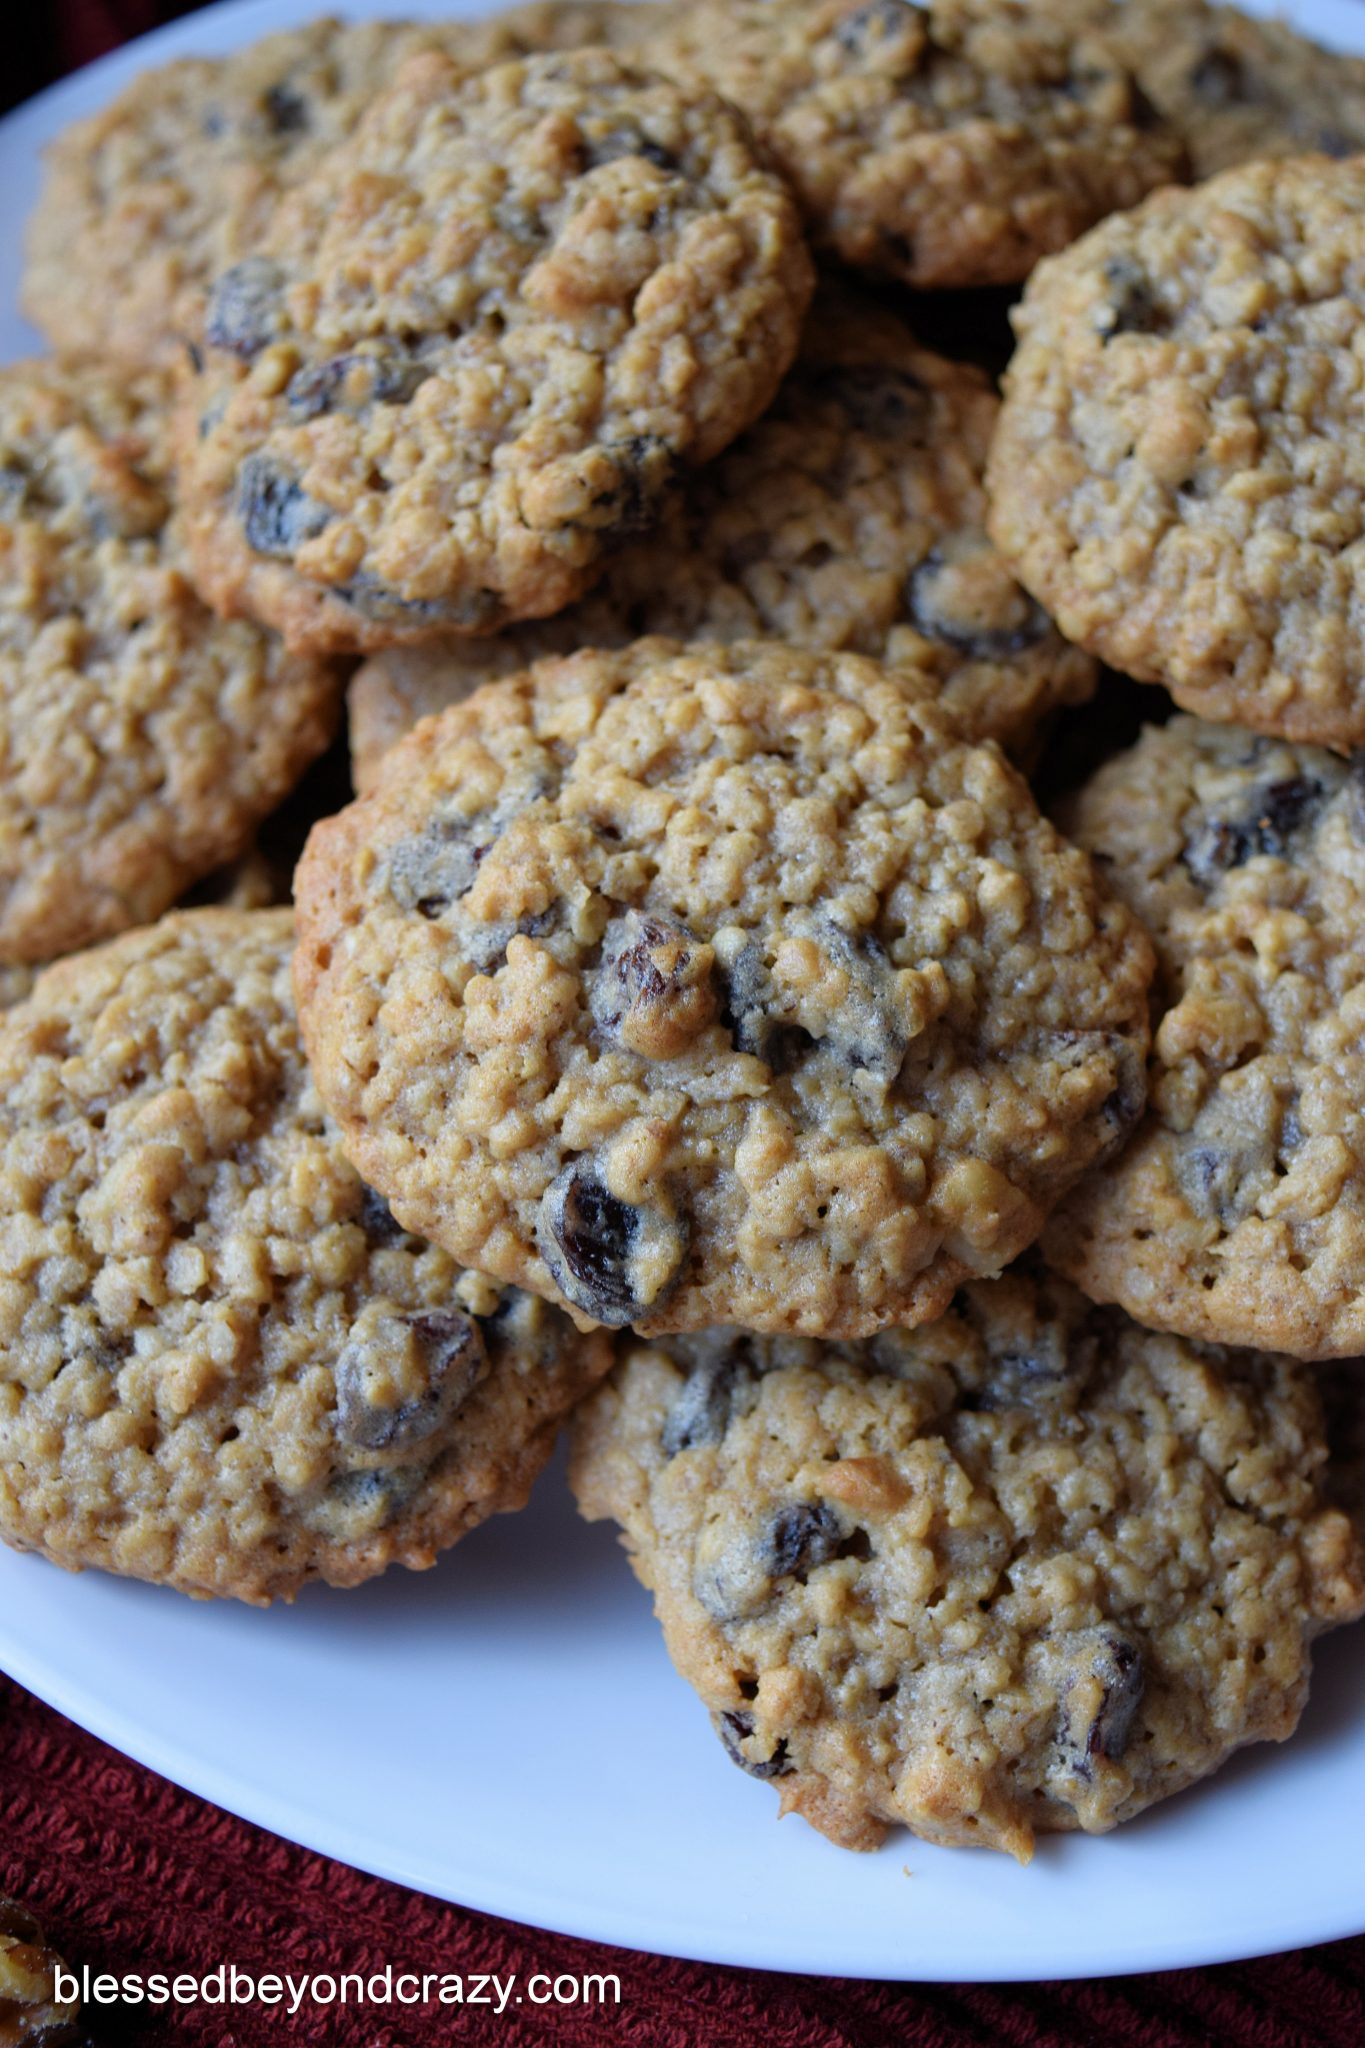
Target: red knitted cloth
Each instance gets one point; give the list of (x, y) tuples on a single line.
[(132, 1875)]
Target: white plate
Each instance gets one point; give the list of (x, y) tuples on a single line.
[(506, 1731)]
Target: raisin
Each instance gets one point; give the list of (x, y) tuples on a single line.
[(629, 142), (377, 1219), (701, 1410), (599, 1248), (1213, 1177), (1117, 1664), (747, 991), (867, 1032), (363, 376), (1222, 80), (735, 1727), (879, 400), (1266, 826), (929, 593), (246, 307), (277, 514), (1050, 1370), (1127, 1098), (447, 1347), (799, 1538), (485, 945), (861, 32), (644, 470), (1355, 813), (652, 991), (477, 611), (16, 486), (1134, 307), (286, 110), (373, 1496), (434, 867)]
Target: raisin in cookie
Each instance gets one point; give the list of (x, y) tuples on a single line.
[(223, 1365), (716, 984), (1176, 472), (1238, 1211), (144, 738), (851, 515), (948, 144), (1027, 1569), (146, 202), (477, 343), (1236, 87)]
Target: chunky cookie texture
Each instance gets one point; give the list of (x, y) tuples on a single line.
[(1176, 469), (948, 144), (851, 516), (716, 984), (1029, 1568), (31, 2015), (477, 344), (145, 737), (223, 1364), (146, 202), (1238, 1211), (1235, 87)]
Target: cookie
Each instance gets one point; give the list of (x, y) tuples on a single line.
[(223, 1365), (948, 144), (1028, 1569), (851, 516), (1238, 1211), (31, 2014), (145, 737), (476, 345), (146, 202), (1176, 471), (716, 984), (1236, 87)]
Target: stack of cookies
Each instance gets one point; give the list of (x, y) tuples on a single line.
[(944, 1222)]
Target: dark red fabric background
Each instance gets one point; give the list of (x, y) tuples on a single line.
[(131, 1874)]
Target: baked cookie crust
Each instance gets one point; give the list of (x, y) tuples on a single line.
[(146, 202), (1175, 473), (223, 1365), (947, 144), (144, 738), (1026, 1569), (1237, 1212), (711, 984), (851, 516), (476, 345)]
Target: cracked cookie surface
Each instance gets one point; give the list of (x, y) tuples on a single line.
[(223, 1365), (716, 984), (851, 516), (1238, 1210), (951, 144), (1026, 1569), (146, 202), (144, 738), (1176, 471), (476, 345)]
